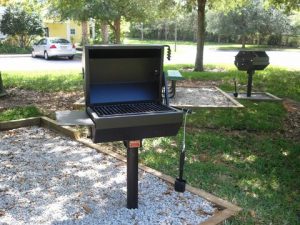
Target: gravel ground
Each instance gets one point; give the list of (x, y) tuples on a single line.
[(200, 97), (50, 179)]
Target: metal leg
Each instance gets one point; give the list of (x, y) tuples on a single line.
[(249, 86), (172, 89), (132, 178)]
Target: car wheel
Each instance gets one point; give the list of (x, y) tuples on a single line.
[(46, 56), (33, 55), (71, 57)]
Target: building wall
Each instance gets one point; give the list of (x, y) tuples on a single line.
[(69, 30), (57, 29), (78, 32)]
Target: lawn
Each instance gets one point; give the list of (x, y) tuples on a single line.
[(240, 155), (215, 46), (44, 80)]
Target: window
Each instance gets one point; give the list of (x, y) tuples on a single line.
[(59, 41), (42, 42), (72, 31)]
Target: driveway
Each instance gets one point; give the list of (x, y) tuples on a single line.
[(27, 63), (183, 55)]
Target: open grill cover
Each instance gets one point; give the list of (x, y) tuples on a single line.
[(123, 93), (251, 60)]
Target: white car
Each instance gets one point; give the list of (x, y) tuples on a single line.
[(53, 47)]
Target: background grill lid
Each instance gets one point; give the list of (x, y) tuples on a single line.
[(251, 60)]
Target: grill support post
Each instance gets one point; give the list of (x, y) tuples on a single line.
[(249, 85), (132, 175)]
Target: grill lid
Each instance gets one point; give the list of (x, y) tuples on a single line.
[(251, 60), (123, 73)]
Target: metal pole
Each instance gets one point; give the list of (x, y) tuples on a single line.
[(132, 177), (249, 86)]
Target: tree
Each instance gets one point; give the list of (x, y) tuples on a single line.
[(288, 5), (224, 5), (78, 10), (22, 25), (252, 20), (114, 11), (108, 12), (4, 2), (200, 5)]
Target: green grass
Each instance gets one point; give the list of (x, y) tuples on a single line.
[(260, 173), (44, 80), (260, 117), (19, 113)]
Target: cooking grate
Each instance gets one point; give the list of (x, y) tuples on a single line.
[(130, 108)]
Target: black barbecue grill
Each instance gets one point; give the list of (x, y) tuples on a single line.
[(123, 93), (250, 61)]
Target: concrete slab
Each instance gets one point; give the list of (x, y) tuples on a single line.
[(257, 96)]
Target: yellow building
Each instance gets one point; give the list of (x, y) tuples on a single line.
[(69, 30)]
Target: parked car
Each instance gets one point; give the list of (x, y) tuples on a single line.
[(53, 47)]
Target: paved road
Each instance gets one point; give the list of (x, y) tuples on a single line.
[(183, 55)]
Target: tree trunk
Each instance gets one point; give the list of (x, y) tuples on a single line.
[(117, 25), (219, 38), (84, 25), (200, 35), (175, 35), (142, 31), (166, 31), (21, 41), (158, 33), (243, 41), (104, 33)]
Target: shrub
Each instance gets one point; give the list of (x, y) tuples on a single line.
[(6, 48)]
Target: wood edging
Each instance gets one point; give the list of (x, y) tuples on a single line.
[(273, 96), (227, 209), (13, 124), (238, 105), (53, 125)]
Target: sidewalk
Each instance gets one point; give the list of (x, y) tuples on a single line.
[(14, 55)]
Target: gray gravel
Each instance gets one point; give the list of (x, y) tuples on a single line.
[(50, 179), (200, 97)]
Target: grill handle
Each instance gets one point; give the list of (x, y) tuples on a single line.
[(168, 52), (165, 85), (82, 73), (180, 183)]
